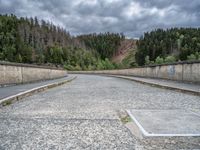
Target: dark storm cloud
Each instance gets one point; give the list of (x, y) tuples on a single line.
[(133, 17)]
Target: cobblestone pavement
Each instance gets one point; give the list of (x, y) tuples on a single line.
[(84, 114)]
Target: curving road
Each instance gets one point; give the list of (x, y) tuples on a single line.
[(84, 114)]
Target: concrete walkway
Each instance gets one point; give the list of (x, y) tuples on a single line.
[(15, 89), (169, 84)]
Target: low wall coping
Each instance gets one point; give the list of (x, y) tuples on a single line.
[(175, 63), (28, 65)]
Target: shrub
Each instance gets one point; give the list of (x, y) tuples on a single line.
[(170, 59), (159, 60), (197, 54), (191, 57), (108, 64), (147, 61), (68, 67), (90, 67), (100, 65), (77, 68)]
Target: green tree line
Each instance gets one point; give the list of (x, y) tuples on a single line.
[(29, 40), (170, 45), (105, 44)]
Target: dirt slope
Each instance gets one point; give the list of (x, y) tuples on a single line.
[(123, 51)]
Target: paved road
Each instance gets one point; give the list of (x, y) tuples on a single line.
[(170, 83), (12, 90), (84, 114)]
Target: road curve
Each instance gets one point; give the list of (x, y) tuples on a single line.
[(84, 114)]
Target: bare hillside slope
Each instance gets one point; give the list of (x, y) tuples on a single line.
[(127, 46)]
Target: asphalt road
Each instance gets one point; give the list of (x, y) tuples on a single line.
[(15, 89), (84, 114)]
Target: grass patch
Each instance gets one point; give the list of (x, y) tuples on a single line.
[(126, 119), (7, 103)]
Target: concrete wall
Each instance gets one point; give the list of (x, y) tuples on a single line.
[(188, 72), (11, 73)]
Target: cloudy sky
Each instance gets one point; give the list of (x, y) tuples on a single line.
[(132, 17)]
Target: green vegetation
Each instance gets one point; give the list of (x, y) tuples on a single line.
[(7, 103), (129, 60), (165, 46), (26, 40), (106, 44), (195, 56), (160, 60), (170, 59), (126, 119)]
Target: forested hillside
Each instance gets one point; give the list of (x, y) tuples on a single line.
[(105, 44), (29, 40), (163, 46), (125, 55)]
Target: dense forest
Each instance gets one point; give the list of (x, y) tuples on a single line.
[(164, 46), (105, 44), (29, 40)]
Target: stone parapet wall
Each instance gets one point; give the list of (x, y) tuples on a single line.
[(17, 74), (186, 72)]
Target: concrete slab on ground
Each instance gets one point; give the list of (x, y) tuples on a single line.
[(176, 122)]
